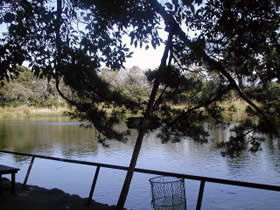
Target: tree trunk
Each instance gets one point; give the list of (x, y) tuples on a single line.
[(142, 129), (57, 28)]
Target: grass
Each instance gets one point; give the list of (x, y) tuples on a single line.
[(25, 111), (240, 110), (233, 111)]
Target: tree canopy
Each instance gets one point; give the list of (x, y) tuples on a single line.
[(233, 45), (29, 90)]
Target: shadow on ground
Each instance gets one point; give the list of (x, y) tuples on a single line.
[(37, 198)]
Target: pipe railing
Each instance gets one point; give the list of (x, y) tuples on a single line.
[(202, 179)]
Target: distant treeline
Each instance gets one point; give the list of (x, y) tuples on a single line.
[(27, 89)]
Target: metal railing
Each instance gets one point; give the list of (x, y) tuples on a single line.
[(202, 179)]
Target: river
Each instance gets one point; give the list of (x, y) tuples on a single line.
[(56, 136)]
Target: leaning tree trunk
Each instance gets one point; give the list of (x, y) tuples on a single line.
[(142, 128)]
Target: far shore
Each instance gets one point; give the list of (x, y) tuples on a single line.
[(26, 111), (10, 112)]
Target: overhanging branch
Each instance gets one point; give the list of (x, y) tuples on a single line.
[(214, 65)]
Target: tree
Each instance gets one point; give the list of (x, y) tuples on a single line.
[(233, 44), (30, 90)]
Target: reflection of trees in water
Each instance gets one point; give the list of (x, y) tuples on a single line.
[(3, 135), (46, 139), (273, 145), (272, 151), (219, 133), (16, 158), (131, 137), (245, 161), (20, 158), (238, 162), (75, 141)]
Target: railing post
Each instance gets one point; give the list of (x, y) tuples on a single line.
[(28, 171), (185, 196), (200, 195), (93, 185)]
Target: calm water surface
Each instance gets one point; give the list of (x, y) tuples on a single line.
[(62, 138)]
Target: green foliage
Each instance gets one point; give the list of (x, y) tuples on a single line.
[(27, 89), (131, 83)]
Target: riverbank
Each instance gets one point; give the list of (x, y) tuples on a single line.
[(34, 198), (26, 111), (10, 112)]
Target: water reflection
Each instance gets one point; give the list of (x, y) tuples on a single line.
[(59, 137), (48, 138)]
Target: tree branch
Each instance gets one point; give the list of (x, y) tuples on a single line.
[(211, 100), (62, 95), (214, 65)]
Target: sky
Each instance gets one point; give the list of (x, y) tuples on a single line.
[(145, 59)]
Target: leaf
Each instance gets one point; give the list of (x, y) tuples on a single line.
[(154, 44), (129, 55), (192, 8), (74, 14), (132, 35), (66, 10), (9, 17)]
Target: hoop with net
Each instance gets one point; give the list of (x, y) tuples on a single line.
[(168, 193)]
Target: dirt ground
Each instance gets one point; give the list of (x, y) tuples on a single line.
[(37, 198)]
